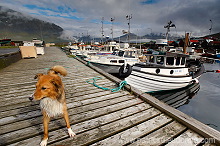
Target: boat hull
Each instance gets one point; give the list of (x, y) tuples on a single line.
[(150, 82), (112, 69)]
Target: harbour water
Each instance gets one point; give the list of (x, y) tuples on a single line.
[(205, 106), (200, 101), (9, 50)]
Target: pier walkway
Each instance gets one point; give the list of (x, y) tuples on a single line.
[(98, 117)]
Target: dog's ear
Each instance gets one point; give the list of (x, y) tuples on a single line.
[(58, 89), (38, 75), (55, 83)]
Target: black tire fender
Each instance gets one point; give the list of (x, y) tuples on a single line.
[(127, 73)]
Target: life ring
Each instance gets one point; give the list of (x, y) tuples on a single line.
[(128, 71)]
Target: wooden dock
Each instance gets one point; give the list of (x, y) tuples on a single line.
[(98, 117)]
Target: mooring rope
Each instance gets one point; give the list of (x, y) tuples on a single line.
[(121, 84)]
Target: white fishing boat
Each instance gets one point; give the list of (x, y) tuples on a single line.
[(119, 62), (163, 72), (73, 49)]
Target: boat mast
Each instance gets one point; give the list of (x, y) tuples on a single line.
[(186, 43), (168, 28)]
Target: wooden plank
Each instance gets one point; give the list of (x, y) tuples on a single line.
[(75, 114), (188, 138), (77, 110), (93, 134), (135, 132), (161, 135), (77, 83), (30, 74), (70, 89), (21, 99), (77, 127), (19, 105), (87, 99), (111, 129), (22, 115), (209, 144), (9, 85), (67, 82)]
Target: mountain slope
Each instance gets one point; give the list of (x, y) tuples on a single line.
[(16, 26)]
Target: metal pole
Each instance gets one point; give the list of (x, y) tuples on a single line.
[(210, 29), (112, 19), (102, 30), (128, 17)]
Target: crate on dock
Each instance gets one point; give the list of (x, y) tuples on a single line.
[(28, 51), (40, 50)]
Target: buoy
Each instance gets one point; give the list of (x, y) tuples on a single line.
[(125, 71)]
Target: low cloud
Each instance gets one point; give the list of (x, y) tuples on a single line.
[(84, 16)]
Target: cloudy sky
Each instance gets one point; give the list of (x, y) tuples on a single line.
[(82, 17)]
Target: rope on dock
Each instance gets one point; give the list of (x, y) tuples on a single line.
[(121, 84)]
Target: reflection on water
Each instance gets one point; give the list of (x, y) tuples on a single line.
[(178, 97), (200, 101)]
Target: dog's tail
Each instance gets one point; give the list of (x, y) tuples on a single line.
[(58, 69)]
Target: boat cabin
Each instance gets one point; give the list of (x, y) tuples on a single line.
[(167, 60), (133, 53)]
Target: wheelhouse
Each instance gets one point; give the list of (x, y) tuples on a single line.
[(167, 60)]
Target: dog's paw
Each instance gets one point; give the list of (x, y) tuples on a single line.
[(71, 133), (44, 142)]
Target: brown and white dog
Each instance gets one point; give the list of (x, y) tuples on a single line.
[(50, 92)]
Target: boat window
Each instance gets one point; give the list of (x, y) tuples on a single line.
[(121, 61), (178, 61), (170, 60), (160, 59), (125, 54), (121, 53), (183, 61), (151, 59), (113, 61), (129, 54)]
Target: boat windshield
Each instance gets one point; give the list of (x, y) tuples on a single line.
[(121, 53), (129, 54)]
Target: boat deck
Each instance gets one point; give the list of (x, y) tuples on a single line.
[(98, 117)]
